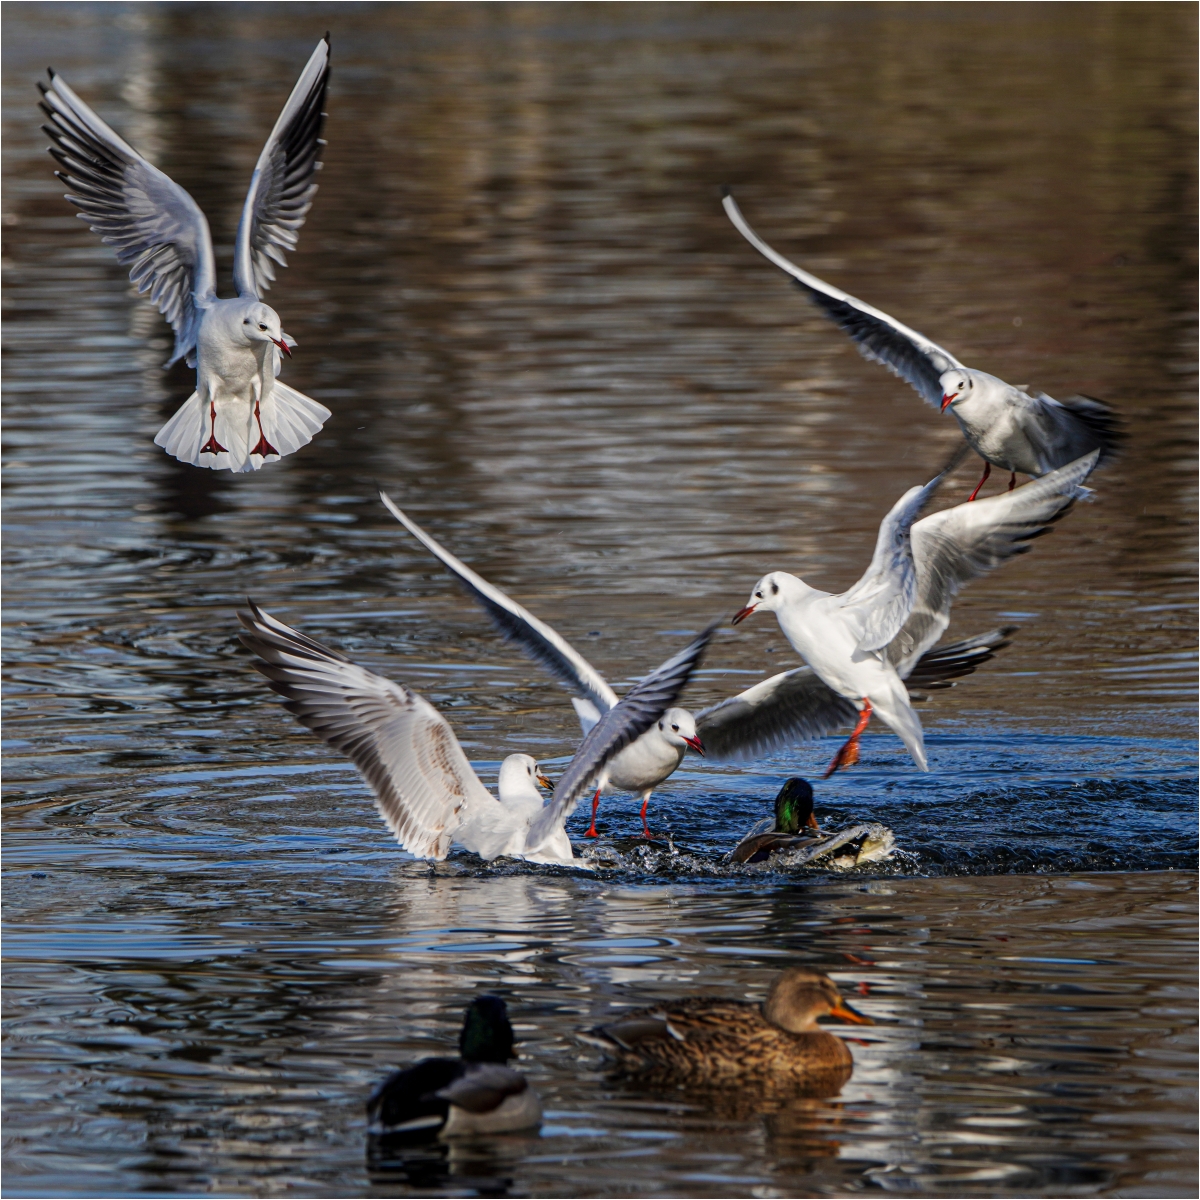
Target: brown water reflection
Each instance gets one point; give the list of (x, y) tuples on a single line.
[(519, 295)]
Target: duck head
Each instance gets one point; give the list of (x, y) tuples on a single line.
[(486, 1034), (794, 807), (800, 995)]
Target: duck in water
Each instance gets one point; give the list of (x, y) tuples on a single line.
[(476, 1093)]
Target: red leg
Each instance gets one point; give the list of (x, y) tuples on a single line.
[(847, 756), (591, 830), (645, 804), (264, 447), (212, 446), (987, 470), (1012, 483)]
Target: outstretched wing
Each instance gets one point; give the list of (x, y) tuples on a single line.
[(633, 714), (282, 188), (517, 624), (880, 338), (955, 545), (794, 706), (424, 786), (156, 228), (883, 598)]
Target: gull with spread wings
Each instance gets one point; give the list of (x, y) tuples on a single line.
[(869, 644), (1008, 427), (240, 416), (424, 786), (793, 706)]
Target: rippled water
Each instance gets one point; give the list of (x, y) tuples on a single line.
[(519, 296)]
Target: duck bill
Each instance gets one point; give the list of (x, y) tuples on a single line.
[(742, 614), (696, 744), (283, 346), (545, 782), (844, 1012), (948, 399)]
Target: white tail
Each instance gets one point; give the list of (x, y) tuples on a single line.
[(227, 435)]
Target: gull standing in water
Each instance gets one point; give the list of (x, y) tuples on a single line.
[(240, 416), (424, 786), (865, 642), (1007, 426), (790, 707)]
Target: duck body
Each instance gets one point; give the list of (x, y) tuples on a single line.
[(705, 1041)]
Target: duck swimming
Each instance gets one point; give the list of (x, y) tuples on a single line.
[(794, 812), (706, 1040), (476, 1093)]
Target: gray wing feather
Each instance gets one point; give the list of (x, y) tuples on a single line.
[(483, 1087), (953, 546), (794, 706), (633, 714), (517, 624), (1069, 429), (282, 187), (424, 786), (879, 338), (155, 227)]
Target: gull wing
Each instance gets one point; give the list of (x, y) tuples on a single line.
[(880, 338), (883, 598), (154, 226), (633, 714), (1068, 429), (282, 186), (424, 786), (793, 706), (519, 625), (953, 546)]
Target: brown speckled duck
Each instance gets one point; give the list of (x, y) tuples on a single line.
[(705, 1040)]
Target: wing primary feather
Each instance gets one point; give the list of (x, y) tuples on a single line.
[(515, 623)]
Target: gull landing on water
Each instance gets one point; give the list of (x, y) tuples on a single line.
[(425, 789), (240, 416), (867, 643), (1008, 427)]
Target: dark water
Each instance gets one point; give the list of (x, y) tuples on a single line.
[(519, 296)]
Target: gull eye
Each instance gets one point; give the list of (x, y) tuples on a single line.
[(675, 727), (758, 595), (263, 328)]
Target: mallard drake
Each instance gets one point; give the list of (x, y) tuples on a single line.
[(476, 1093), (706, 1040), (794, 812)]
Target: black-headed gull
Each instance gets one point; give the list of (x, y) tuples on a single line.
[(866, 642), (240, 416), (424, 786), (642, 765), (1008, 427)]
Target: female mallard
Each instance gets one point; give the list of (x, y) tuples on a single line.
[(794, 812), (448, 1097), (705, 1040)]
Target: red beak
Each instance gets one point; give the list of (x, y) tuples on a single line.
[(742, 614), (696, 744), (947, 399), (282, 346)]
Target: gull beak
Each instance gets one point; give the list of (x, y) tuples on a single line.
[(283, 346), (742, 614), (948, 398), (696, 744), (844, 1012), (544, 782)]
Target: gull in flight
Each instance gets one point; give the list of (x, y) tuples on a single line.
[(865, 643), (425, 789), (240, 416), (1007, 426), (790, 707)]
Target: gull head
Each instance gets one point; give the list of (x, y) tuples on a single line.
[(956, 385), (521, 773), (767, 595), (678, 726), (260, 323)]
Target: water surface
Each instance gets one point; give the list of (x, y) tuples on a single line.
[(519, 295)]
